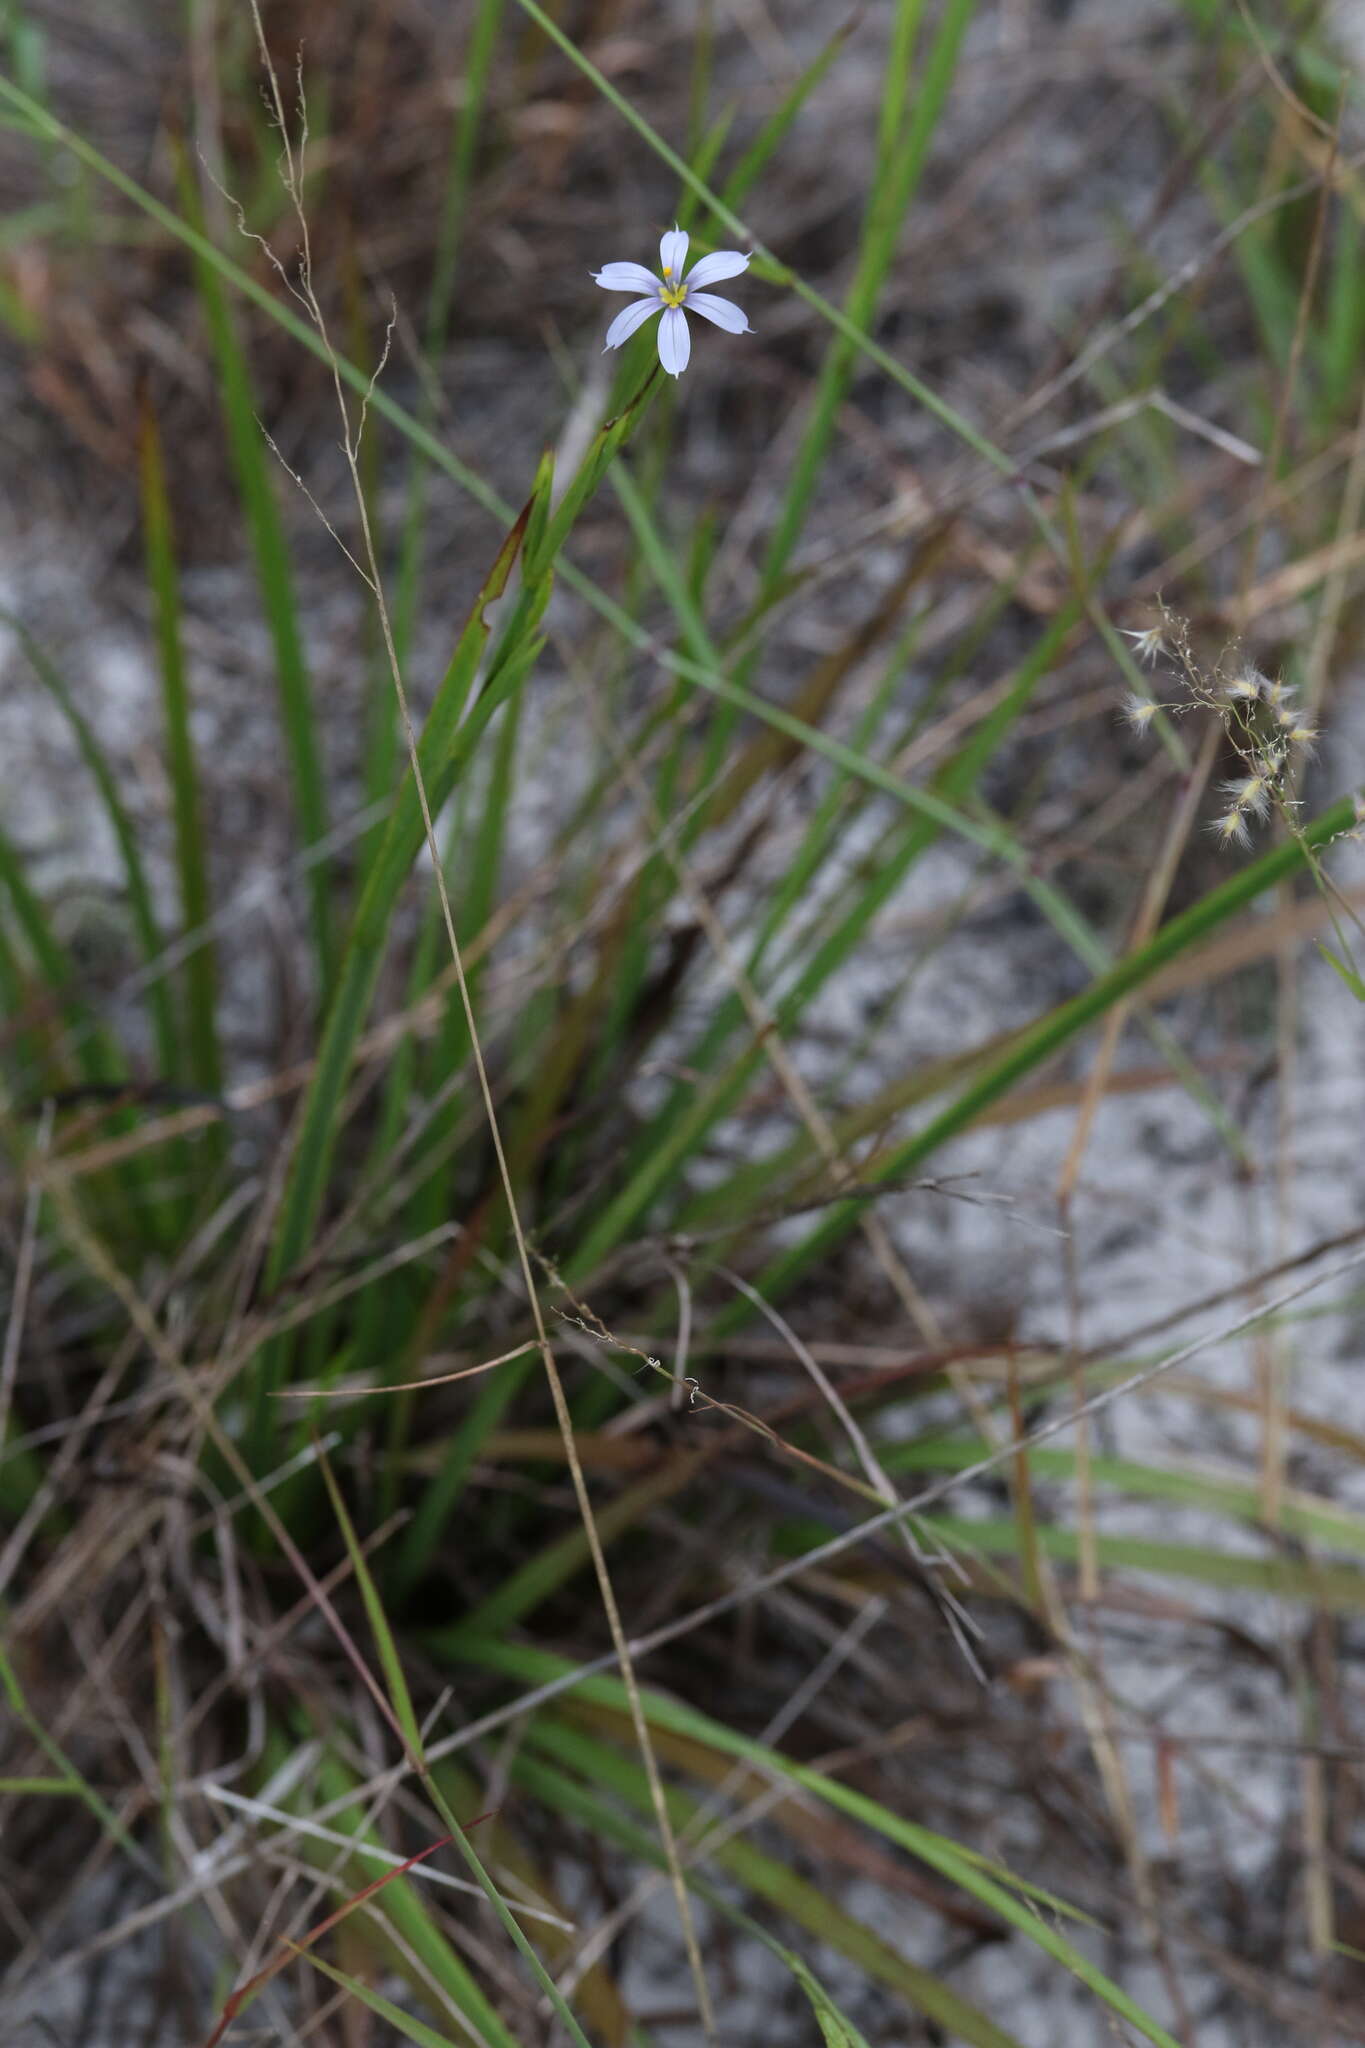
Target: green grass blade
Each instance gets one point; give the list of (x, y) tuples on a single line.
[(70, 1777), (251, 462), (521, 1591), (1307, 1516), (1051, 1032), (454, 202), (403, 1906), (994, 1888), (836, 2028), (391, 1662), (902, 147), (422, 1537), (360, 966), (403, 2023), (778, 125), (695, 1111), (1328, 1588), (135, 877), (97, 1057), (444, 750), (447, 1968), (203, 1066), (598, 1767)]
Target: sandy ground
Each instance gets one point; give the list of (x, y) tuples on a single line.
[(1163, 1214)]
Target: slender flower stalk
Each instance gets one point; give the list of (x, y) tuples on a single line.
[(669, 295)]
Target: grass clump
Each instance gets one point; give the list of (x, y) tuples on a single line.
[(582, 1455)]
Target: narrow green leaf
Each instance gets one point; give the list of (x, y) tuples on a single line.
[(1305, 1515), (251, 461), (106, 786), (1060, 1025), (392, 863), (98, 1058), (1349, 975), (776, 128), (404, 2023), (402, 1906), (692, 1111), (996, 1889), (1332, 1588), (907, 125), (204, 1067), (836, 2028), (400, 1699), (71, 1779), (601, 1767)]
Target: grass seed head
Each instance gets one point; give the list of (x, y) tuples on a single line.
[(1147, 643), (1249, 795), (1230, 829)]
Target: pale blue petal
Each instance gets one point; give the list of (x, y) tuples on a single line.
[(673, 255), (675, 343), (711, 269), (625, 324), (625, 277), (719, 312)]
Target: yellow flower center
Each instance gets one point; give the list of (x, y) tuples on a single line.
[(671, 294)]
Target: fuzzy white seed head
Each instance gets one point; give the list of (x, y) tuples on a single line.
[(1248, 688), (1231, 828), (1139, 711), (1147, 644), (1248, 794)]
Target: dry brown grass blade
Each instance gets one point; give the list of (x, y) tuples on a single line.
[(439, 1379), (1334, 559), (103, 1268)]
